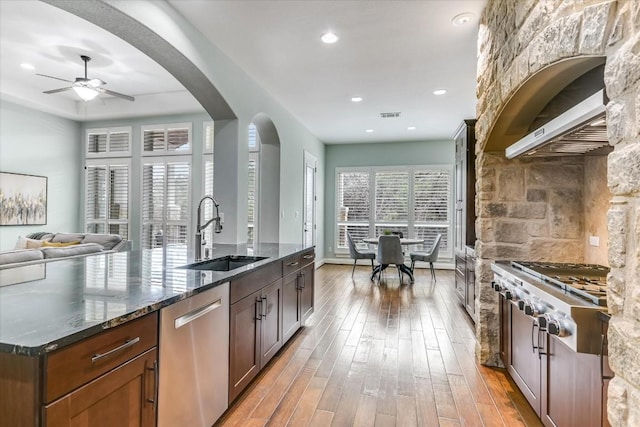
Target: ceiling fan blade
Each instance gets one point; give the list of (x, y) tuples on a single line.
[(95, 83), (119, 95), (49, 92), (56, 78)]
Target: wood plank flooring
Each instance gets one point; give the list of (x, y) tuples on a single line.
[(381, 354)]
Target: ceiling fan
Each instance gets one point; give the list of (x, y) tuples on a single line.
[(86, 88)]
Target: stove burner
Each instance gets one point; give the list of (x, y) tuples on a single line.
[(588, 281)]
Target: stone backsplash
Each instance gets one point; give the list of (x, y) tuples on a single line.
[(545, 209)]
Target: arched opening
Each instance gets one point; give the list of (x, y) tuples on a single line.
[(263, 204)]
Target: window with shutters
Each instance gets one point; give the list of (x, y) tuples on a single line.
[(413, 200), (253, 171), (107, 189), (163, 139), (108, 142), (207, 176), (166, 212)]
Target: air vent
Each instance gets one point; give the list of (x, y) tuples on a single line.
[(390, 115)]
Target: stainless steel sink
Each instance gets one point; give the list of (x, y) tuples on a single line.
[(225, 263)]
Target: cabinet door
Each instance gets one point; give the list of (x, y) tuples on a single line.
[(244, 343), (307, 289), (573, 387), (124, 396), (271, 321), (460, 278), (291, 320), (525, 363), (470, 294)]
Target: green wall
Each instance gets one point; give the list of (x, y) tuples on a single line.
[(380, 154), (37, 143)]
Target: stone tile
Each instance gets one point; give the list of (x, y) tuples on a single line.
[(566, 213)]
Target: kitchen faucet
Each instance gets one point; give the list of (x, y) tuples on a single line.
[(217, 227)]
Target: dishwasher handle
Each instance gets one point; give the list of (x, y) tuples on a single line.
[(193, 315)]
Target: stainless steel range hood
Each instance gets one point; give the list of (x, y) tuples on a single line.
[(578, 131)]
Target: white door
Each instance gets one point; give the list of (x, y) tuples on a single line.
[(309, 211)]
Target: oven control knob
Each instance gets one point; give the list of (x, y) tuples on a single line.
[(542, 322), (495, 286), (507, 294), (521, 305), (556, 327), (530, 309)]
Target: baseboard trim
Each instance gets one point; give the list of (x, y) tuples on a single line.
[(419, 264)]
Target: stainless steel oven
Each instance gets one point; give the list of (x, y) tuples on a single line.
[(551, 337)]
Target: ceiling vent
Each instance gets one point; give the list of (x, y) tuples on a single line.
[(390, 115)]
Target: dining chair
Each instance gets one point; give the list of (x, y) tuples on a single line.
[(390, 252), (357, 254), (429, 256)]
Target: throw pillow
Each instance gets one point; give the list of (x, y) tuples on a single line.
[(59, 244), (26, 243)]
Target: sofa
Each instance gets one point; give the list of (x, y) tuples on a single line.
[(48, 246)]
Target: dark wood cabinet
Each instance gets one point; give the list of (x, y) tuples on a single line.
[(565, 388), (460, 277), (465, 182), (470, 284), (298, 292), (123, 397), (573, 386), (255, 335), (524, 361), (107, 379)]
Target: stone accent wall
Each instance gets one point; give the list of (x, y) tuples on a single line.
[(516, 39), (597, 198)]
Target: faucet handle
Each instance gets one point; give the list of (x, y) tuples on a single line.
[(206, 253)]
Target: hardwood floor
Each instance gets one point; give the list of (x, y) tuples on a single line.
[(381, 355)]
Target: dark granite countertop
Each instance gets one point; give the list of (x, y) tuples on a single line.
[(61, 302)]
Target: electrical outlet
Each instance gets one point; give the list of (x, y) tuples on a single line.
[(594, 241)]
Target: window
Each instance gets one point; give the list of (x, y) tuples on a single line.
[(207, 176), (253, 195), (413, 200), (166, 212), (166, 139), (108, 142), (107, 196)]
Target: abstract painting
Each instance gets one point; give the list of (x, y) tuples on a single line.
[(23, 199)]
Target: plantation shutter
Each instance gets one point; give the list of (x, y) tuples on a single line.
[(111, 142), (251, 200), (107, 197), (432, 205), (353, 213), (165, 139), (207, 170), (166, 186)]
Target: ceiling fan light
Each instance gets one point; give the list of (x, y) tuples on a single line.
[(86, 93)]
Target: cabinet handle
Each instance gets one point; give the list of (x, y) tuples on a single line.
[(603, 340), (264, 307), (304, 280), (126, 345), (190, 317), (258, 311), (292, 264), (534, 347), (156, 382), (307, 256)]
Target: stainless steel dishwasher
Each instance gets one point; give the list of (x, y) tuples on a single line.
[(194, 359)]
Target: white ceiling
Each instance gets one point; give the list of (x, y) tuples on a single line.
[(392, 53)]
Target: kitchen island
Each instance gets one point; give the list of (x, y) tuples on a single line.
[(47, 322)]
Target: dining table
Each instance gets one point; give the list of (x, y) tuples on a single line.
[(404, 268)]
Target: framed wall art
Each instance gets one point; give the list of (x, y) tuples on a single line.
[(23, 199)]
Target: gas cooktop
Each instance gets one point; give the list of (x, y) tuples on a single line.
[(587, 281)]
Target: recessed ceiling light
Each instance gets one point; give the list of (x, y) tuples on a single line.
[(356, 99), (411, 128), (369, 130), (27, 66), (329, 37), (461, 19), (439, 91)]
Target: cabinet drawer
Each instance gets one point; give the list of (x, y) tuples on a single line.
[(254, 281), (296, 262), (79, 363)]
